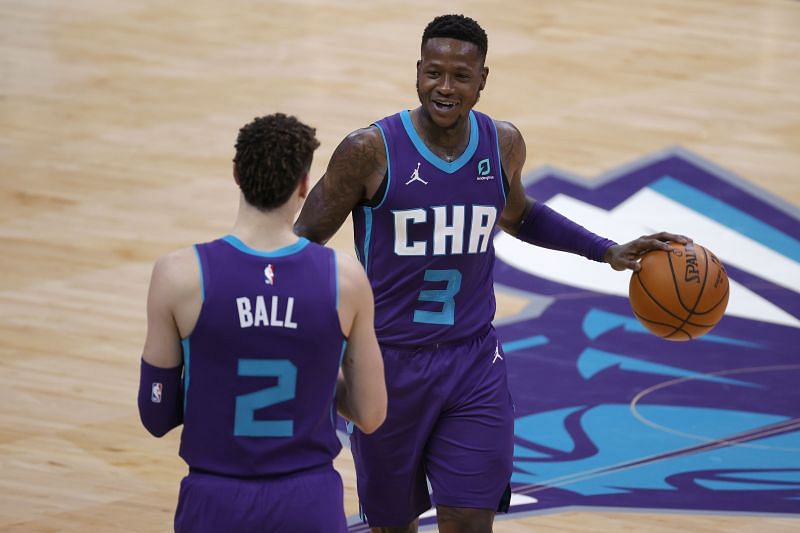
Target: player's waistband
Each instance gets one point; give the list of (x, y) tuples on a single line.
[(408, 347), (316, 469)]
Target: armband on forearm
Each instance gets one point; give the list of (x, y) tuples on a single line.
[(547, 228), (160, 398)]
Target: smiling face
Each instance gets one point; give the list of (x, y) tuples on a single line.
[(450, 77)]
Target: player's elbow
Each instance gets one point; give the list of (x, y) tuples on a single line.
[(156, 430), (302, 228), (374, 417), (159, 422)]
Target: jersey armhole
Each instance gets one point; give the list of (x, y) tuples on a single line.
[(380, 194), (335, 280), (335, 292), (205, 282), (203, 268), (504, 184)]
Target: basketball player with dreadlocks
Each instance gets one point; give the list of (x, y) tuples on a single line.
[(426, 189)]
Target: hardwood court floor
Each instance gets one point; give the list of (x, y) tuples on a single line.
[(118, 121)]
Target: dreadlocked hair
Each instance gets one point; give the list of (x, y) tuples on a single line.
[(457, 27), (273, 153)]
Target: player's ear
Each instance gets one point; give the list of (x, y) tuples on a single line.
[(303, 188), (484, 75)]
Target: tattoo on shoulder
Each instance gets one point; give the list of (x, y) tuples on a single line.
[(512, 147), (355, 160)]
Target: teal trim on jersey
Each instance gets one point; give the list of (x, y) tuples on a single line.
[(434, 159), (336, 278), (499, 178), (728, 216), (301, 243), (186, 359), (367, 234), (388, 168), (202, 278)]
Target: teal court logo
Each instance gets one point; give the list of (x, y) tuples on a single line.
[(609, 416)]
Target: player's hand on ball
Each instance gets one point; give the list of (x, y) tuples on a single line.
[(626, 256)]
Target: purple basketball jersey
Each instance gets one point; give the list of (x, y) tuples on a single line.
[(261, 363), (427, 247)]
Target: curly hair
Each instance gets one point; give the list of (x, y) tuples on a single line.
[(273, 153), (457, 27)]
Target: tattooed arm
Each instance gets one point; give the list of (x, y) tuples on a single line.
[(354, 174), (512, 154), (535, 223)]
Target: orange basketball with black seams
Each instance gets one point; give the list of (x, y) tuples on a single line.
[(679, 295)]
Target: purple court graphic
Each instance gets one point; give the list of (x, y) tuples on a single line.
[(609, 415)]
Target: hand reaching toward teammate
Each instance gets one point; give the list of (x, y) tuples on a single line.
[(626, 256)]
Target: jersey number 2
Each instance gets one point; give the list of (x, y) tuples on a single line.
[(444, 296), (245, 424)]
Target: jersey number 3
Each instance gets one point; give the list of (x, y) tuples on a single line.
[(245, 424), (444, 296)]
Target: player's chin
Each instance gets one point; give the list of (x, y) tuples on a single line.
[(445, 117)]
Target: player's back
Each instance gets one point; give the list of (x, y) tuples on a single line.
[(262, 361)]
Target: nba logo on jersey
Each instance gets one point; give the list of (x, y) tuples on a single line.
[(269, 275), (155, 392)]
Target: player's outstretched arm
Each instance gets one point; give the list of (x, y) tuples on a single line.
[(536, 223), (160, 385), (354, 173), (361, 387)]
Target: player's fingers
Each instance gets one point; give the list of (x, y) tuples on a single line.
[(626, 264), (647, 243), (675, 237)]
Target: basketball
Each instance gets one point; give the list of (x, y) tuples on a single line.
[(679, 295)]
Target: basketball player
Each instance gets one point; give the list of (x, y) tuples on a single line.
[(245, 338), (426, 189)]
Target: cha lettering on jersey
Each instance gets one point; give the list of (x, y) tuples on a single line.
[(449, 226), (254, 313)]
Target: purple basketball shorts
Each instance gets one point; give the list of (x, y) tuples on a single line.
[(308, 501), (450, 421)]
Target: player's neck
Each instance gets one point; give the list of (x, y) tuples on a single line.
[(266, 230), (447, 143)]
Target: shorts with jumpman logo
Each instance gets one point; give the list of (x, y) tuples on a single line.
[(450, 419)]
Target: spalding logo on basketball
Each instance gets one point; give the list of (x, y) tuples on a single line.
[(679, 295)]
